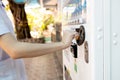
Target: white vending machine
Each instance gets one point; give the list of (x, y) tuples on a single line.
[(94, 54)]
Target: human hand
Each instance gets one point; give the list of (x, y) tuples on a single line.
[(68, 37)]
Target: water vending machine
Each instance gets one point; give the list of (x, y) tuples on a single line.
[(94, 54)]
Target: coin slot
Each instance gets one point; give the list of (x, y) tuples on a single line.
[(86, 54), (81, 38)]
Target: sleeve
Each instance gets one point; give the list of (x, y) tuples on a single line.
[(3, 28)]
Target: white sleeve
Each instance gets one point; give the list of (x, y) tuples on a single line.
[(3, 28)]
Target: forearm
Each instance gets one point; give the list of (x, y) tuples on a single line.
[(16, 49), (25, 50)]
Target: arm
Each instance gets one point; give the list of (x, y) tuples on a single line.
[(16, 49)]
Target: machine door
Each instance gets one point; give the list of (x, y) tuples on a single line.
[(115, 40)]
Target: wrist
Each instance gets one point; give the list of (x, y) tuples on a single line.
[(64, 45)]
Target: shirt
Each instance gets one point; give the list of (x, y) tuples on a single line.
[(10, 69)]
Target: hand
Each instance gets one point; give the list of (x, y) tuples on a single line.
[(68, 37)]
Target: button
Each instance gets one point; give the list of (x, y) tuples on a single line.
[(99, 37), (99, 29), (115, 42), (115, 34)]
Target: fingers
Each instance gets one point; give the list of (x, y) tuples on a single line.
[(77, 36)]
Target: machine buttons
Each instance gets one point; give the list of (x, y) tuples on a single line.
[(114, 41), (99, 37)]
